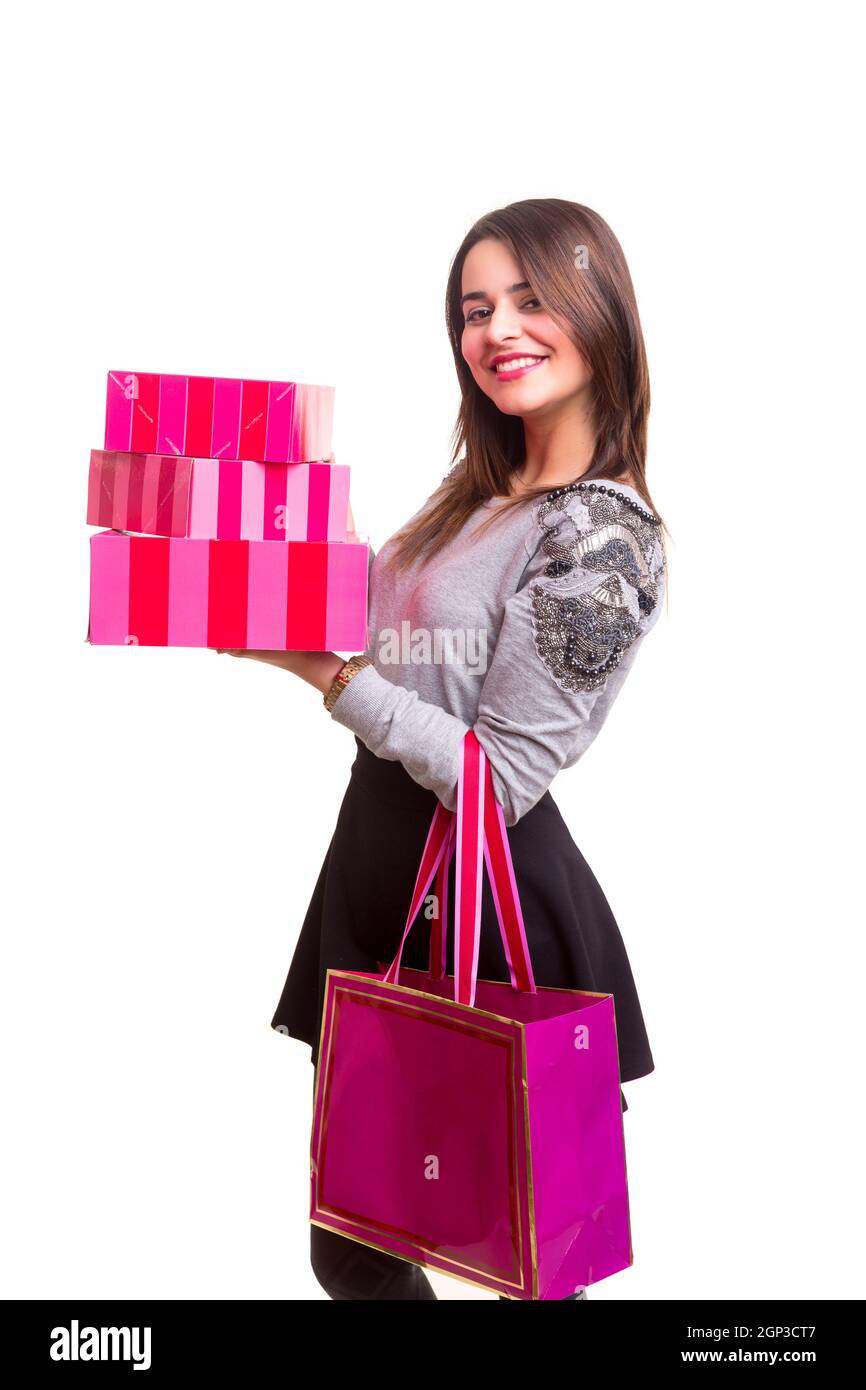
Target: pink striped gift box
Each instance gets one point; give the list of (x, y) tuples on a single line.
[(173, 591), (218, 417), (218, 499)]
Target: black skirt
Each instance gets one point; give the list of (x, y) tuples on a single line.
[(358, 909)]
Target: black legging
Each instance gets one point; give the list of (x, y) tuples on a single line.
[(347, 1269)]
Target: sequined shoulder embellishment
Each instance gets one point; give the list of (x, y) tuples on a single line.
[(582, 636)]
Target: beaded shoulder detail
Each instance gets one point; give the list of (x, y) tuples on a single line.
[(582, 629)]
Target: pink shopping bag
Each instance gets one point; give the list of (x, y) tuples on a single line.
[(472, 1126)]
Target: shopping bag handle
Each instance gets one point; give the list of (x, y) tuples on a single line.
[(477, 825)]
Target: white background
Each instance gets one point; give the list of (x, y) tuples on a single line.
[(277, 191)]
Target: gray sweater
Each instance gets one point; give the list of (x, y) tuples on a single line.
[(524, 634)]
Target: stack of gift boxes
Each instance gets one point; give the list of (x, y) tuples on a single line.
[(228, 519)]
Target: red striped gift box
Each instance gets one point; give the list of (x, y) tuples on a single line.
[(218, 499), (155, 591), (218, 417)]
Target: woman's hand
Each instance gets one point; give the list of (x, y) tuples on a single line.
[(316, 668)]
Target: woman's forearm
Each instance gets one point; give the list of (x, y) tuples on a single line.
[(316, 668), (320, 668)]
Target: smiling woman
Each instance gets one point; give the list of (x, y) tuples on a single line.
[(516, 364), (544, 542), (549, 353)]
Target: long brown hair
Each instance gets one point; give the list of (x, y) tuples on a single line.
[(596, 305)]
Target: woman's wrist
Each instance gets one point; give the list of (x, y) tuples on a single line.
[(316, 668), (324, 669), (347, 671)]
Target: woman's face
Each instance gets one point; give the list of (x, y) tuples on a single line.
[(503, 321)]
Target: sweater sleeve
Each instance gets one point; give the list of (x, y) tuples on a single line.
[(585, 598)]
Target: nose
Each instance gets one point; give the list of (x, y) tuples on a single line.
[(503, 323)]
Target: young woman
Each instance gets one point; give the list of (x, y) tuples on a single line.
[(539, 565)]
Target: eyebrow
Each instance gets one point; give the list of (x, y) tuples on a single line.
[(479, 294)]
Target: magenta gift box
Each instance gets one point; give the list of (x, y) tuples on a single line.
[(161, 591), (218, 417), (218, 499)]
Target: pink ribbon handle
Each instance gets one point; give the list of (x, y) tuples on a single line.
[(479, 826)]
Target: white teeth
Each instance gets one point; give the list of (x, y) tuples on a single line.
[(516, 363)]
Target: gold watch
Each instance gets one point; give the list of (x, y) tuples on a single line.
[(349, 669)]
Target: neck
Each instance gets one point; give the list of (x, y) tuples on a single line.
[(559, 444), (524, 478)]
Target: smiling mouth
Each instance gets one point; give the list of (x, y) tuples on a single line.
[(517, 365)]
